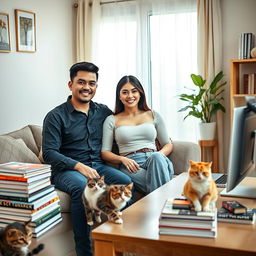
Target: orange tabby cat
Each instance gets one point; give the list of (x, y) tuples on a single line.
[(200, 187)]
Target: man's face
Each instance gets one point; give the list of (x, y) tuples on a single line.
[(83, 86)]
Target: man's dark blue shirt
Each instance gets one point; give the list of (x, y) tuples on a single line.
[(71, 136)]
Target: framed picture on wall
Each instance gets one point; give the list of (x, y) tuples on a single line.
[(5, 45), (25, 22)]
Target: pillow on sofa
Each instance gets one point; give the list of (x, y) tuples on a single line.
[(27, 136), (37, 133), (15, 150)]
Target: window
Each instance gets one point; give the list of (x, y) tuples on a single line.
[(156, 45), (173, 40)]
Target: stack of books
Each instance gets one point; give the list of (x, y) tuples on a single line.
[(246, 42), (178, 218), (26, 194), (249, 84), (235, 212)]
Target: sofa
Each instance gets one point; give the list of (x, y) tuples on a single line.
[(24, 145)]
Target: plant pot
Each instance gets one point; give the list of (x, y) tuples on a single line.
[(207, 131)]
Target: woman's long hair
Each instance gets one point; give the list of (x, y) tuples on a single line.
[(119, 107)]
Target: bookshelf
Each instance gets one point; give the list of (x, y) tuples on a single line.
[(237, 69)]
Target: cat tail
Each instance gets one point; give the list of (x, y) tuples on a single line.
[(38, 249)]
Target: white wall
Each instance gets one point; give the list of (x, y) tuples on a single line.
[(237, 17), (31, 84)]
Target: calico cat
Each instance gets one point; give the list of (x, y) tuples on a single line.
[(108, 199), (200, 187), (93, 190), (15, 239)]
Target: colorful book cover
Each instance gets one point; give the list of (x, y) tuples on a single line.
[(234, 207), (22, 167), (248, 217), (168, 211), (26, 205)]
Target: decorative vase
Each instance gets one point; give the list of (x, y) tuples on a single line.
[(207, 131), (253, 52)]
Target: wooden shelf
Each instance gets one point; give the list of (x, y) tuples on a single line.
[(237, 99), (213, 145)]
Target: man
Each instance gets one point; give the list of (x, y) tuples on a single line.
[(72, 134)]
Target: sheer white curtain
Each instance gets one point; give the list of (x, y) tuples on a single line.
[(155, 41), (116, 48), (173, 27)]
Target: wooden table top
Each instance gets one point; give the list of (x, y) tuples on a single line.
[(141, 223)]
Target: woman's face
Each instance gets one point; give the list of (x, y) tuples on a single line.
[(129, 95)]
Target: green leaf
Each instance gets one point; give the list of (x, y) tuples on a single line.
[(214, 90), (204, 102), (197, 80), (216, 79), (184, 109)]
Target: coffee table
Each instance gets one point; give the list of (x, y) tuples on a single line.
[(139, 232)]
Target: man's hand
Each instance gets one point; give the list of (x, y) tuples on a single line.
[(87, 171), (130, 164)]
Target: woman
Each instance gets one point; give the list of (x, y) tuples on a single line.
[(135, 128)]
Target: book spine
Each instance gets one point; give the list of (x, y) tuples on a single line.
[(46, 217), (244, 46), (249, 45), (13, 204), (246, 82), (240, 47), (44, 205), (250, 84), (13, 178), (235, 216), (15, 198)]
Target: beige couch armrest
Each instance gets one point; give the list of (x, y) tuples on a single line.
[(183, 152)]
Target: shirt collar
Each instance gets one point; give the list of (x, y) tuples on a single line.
[(71, 107)]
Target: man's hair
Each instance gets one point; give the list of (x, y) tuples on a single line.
[(84, 66)]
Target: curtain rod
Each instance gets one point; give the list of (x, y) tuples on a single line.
[(109, 2)]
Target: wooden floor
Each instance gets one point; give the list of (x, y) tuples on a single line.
[(58, 241)]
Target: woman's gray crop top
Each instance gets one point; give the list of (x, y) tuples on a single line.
[(132, 138)]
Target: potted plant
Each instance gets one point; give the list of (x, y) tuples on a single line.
[(204, 103)]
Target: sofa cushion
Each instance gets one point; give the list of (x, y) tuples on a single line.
[(15, 150), (37, 133), (27, 136), (64, 200)]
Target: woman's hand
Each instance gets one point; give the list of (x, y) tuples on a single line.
[(130, 164)]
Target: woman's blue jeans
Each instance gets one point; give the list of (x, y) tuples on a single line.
[(155, 170), (73, 183)]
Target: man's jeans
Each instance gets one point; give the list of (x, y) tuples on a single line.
[(73, 183)]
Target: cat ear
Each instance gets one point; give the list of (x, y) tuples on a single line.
[(129, 186), (192, 163), (102, 177), (210, 164), (27, 223), (11, 232), (28, 226)]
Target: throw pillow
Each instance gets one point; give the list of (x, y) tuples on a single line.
[(37, 133), (27, 136), (15, 150)]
